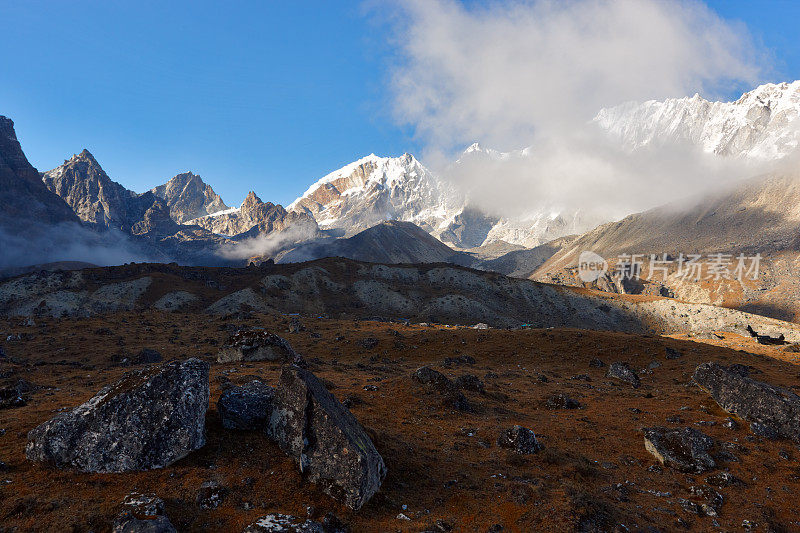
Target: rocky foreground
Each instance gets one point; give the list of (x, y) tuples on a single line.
[(445, 428)]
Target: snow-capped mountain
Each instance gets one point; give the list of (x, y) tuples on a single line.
[(375, 189), (763, 124)]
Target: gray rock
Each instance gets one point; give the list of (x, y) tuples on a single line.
[(255, 345), (522, 440), (562, 401), (684, 449), (248, 407), (623, 372), (470, 382), (148, 419), (210, 495), (13, 395), (772, 411), (281, 523), (326, 440), (433, 378), (144, 513)]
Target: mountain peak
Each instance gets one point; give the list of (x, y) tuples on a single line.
[(252, 198), (85, 155), (189, 197)]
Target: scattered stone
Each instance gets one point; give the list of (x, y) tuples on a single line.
[(368, 343), (146, 356), (653, 365), (326, 440), (623, 372), (710, 500), (14, 395), (730, 423), (684, 449), (148, 419), (480, 325), (596, 363), (723, 479), (295, 326), (522, 440), (672, 353), (143, 513), (562, 401), (210, 495), (470, 382), (772, 411), (459, 361), (248, 407), (255, 345)]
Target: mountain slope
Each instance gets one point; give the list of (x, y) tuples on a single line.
[(189, 197), (762, 124), (24, 200), (758, 216), (387, 242)]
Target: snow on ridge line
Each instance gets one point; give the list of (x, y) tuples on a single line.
[(349, 169)]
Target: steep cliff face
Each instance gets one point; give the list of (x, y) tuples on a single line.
[(187, 196), (95, 198), (24, 200)]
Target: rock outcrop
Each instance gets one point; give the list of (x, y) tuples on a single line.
[(771, 410), (684, 449), (255, 345), (248, 407), (148, 419), (330, 446)]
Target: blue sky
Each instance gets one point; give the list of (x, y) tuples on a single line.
[(262, 95)]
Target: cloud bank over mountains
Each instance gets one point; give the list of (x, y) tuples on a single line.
[(519, 74)]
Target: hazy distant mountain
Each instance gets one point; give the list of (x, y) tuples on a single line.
[(188, 197), (762, 124), (24, 200)]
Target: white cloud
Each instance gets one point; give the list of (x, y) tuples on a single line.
[(519, 74), (511, 71)]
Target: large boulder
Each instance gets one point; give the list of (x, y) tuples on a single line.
[(248, 407), (685, 449), (769, 409), (326, 440), (255, 345), (148, 419)]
